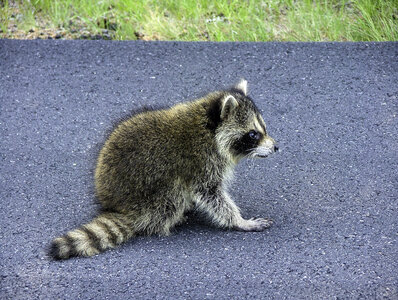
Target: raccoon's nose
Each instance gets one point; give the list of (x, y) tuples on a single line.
[(276, 148)]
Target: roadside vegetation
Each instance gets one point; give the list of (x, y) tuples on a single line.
[(201, 20)]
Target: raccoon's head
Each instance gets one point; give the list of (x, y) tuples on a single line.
[(241, 131)]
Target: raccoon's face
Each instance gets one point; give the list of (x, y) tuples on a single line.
[(253, 140), (243, 131)]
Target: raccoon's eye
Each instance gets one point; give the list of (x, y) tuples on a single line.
[(254, 135)]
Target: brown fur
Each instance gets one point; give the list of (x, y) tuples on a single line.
[(159, 164)]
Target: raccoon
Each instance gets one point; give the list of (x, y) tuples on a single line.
[(159, 164)]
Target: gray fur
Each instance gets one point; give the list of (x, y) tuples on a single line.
[(157, 165)]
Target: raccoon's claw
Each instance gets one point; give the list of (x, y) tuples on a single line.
[(254, 224)]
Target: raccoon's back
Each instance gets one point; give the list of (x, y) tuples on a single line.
[(146, 155)]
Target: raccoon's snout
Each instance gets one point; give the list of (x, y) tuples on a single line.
[(264, 151)]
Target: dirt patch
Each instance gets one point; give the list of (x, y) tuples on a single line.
[(40, 28)]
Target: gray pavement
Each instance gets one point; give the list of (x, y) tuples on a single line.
[(332, 190)]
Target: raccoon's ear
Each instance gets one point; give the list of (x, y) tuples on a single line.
[(242, 86), (229, 103)]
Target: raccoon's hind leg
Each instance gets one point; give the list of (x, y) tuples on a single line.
[(225, 213), (103, 232), (164, 216)]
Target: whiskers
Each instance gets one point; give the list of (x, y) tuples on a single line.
[(253, 153), (260, 152)]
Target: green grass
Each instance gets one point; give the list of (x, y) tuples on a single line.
[(222, 20)]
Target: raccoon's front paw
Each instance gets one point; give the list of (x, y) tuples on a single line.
[(254, 224)]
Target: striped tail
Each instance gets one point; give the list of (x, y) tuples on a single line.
[(105, 231)]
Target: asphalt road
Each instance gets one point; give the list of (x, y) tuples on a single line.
[(332, 190)]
